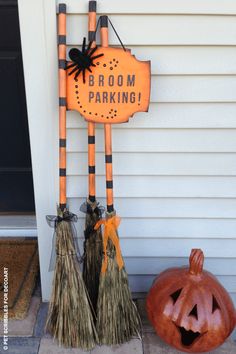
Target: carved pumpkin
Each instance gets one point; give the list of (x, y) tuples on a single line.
[(189, 308)]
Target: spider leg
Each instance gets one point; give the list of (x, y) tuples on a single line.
[(88, 48), (71, 66), (97, 56), (84, 76), (72, 71), (77, 74), (90, 69), (93, 64), (92, 51), (84, 45)]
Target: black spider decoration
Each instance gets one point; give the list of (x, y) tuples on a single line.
[(82, 60)]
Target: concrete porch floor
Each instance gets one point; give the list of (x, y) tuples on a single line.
[(28, 337)]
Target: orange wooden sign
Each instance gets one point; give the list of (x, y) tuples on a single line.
[(117, 87)]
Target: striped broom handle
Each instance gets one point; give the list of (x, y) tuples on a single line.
[(91, 125), (108, 131), (62, 103)]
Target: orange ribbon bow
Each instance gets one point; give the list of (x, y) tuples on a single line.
[(110, 227)]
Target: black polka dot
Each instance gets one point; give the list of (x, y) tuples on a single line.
[(84, 111), (104, 65), (111, 68), (76, 86), (90, 113)]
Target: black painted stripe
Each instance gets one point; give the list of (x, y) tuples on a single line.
[(109, 184), (62, 172), (62, 64), (62, 101), (61, 39), (108, 158), (110, 208), (62, 8), (91, 170), (62, 206), (62, 143), (92, 198), (92, 6), (91, 36), (91, 139), (104, 21)]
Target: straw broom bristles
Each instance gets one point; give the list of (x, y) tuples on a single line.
[(70, 319), (117, 316), (92, 252)]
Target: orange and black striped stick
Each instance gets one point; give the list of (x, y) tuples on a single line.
[(91, 125), (62, 103), (114, 306), (108, 131)]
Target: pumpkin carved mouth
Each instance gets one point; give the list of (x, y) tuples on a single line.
[(188, 337)]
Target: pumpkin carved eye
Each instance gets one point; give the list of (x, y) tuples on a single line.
[(193, 312), (176, 295), (215, 304)]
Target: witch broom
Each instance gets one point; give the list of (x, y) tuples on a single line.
[(93, 238), (117, 316), (69, 319)]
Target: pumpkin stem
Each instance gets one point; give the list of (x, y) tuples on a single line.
[(196, 261)]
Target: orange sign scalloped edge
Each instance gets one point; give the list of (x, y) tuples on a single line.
[(118, 87)]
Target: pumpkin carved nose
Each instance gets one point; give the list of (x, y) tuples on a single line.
[(193, 312)]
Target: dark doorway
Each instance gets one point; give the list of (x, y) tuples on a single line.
[(16, 182)]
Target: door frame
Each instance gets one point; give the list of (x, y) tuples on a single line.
[(39, 52)]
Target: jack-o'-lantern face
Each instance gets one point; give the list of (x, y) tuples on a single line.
[(189, 308)]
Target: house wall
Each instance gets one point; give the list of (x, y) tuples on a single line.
[(174, 167)]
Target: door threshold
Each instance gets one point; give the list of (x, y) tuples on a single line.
[(18, 226)]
